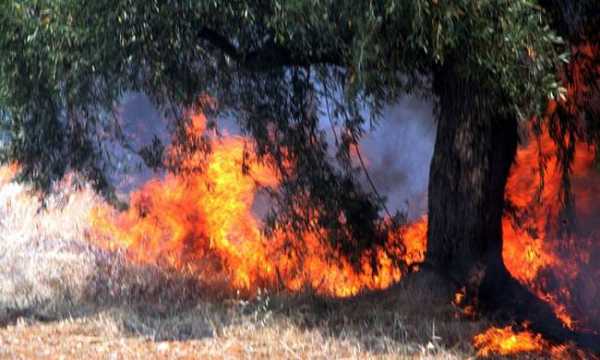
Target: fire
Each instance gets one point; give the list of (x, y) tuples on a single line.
[(506, 341), (527, 248), (7, 173), (203, 222), (531, 245), (561, 269)]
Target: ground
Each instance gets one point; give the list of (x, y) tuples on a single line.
[(60, 297), (400, 323)]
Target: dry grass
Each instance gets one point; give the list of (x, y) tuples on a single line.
[(43, 262), (398, 325), (61, 297)]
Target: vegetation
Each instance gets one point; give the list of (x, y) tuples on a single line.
[(277, 66), (59, 296), (274, 64)]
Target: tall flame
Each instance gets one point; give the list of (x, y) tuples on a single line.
[(561, 269), (532, 243), (204, 223)]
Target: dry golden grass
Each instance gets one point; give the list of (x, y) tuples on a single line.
[(62, 298), (401, 324)]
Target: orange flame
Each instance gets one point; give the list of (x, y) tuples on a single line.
[(505, 341), (508, 341), (204, 223), (535, 253), (8, 173), (533, 247), (527, 248)]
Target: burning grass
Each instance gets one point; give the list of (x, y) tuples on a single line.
[(176, 265), (509, 341), (203, 223), (59, 296)]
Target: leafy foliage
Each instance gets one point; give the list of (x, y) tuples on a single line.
[(276, 65)]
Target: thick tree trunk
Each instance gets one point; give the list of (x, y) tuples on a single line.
[(474, 150)]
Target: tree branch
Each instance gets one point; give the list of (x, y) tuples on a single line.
[(220, 42), (270, 55)]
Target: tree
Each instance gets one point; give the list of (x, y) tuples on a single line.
[(274, 64)]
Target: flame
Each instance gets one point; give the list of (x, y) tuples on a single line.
[(558, 268), (528, 244), (506, 341), (204, 223), (509, 341), (527, 249), (8, 173), (535, 252)]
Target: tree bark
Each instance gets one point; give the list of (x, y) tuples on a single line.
[(474, 149)]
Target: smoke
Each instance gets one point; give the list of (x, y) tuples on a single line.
[(140, 124), (397, 150)]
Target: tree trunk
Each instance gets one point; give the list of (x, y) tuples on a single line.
[(474, 150), (475, 147)]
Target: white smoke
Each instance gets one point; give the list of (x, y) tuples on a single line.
[(399, 152)]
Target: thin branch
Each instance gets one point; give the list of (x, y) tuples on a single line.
[(370, 180), (270, 55)]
